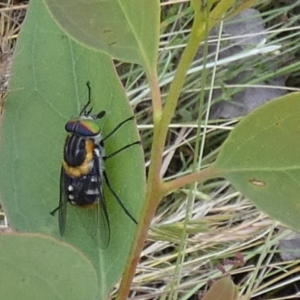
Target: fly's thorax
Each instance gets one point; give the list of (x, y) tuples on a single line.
[(78, 150), (78, 155)]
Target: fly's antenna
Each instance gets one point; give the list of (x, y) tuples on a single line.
[(83, 111), (100, 115)]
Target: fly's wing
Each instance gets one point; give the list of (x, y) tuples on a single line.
[(103, 220), (63, 201), (102, 215)]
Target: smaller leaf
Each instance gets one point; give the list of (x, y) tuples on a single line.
[(261, 158), (223, 289), (35, 267), (126, 30)]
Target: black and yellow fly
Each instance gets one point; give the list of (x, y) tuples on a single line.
[(83, 172)]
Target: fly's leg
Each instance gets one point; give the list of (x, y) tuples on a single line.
[(117, 127), (120, 150), (118, 198)]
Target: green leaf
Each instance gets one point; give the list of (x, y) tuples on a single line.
[(127, 30), (48, 87), (261, 159), (222, 289), (37, 267)]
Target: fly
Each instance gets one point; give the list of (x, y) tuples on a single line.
[(83, 172)]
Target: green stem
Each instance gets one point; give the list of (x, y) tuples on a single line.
[(153, 193), (156, 189), (208, 173)]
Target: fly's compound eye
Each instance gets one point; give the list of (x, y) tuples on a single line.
[(84, 127)]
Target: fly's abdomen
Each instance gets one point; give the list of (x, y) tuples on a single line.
[(84, 190)]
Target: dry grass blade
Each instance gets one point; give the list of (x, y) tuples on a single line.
[(11, 18)]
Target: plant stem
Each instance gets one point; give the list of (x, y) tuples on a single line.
[(156, 189), (153, 194), (208, 173)]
